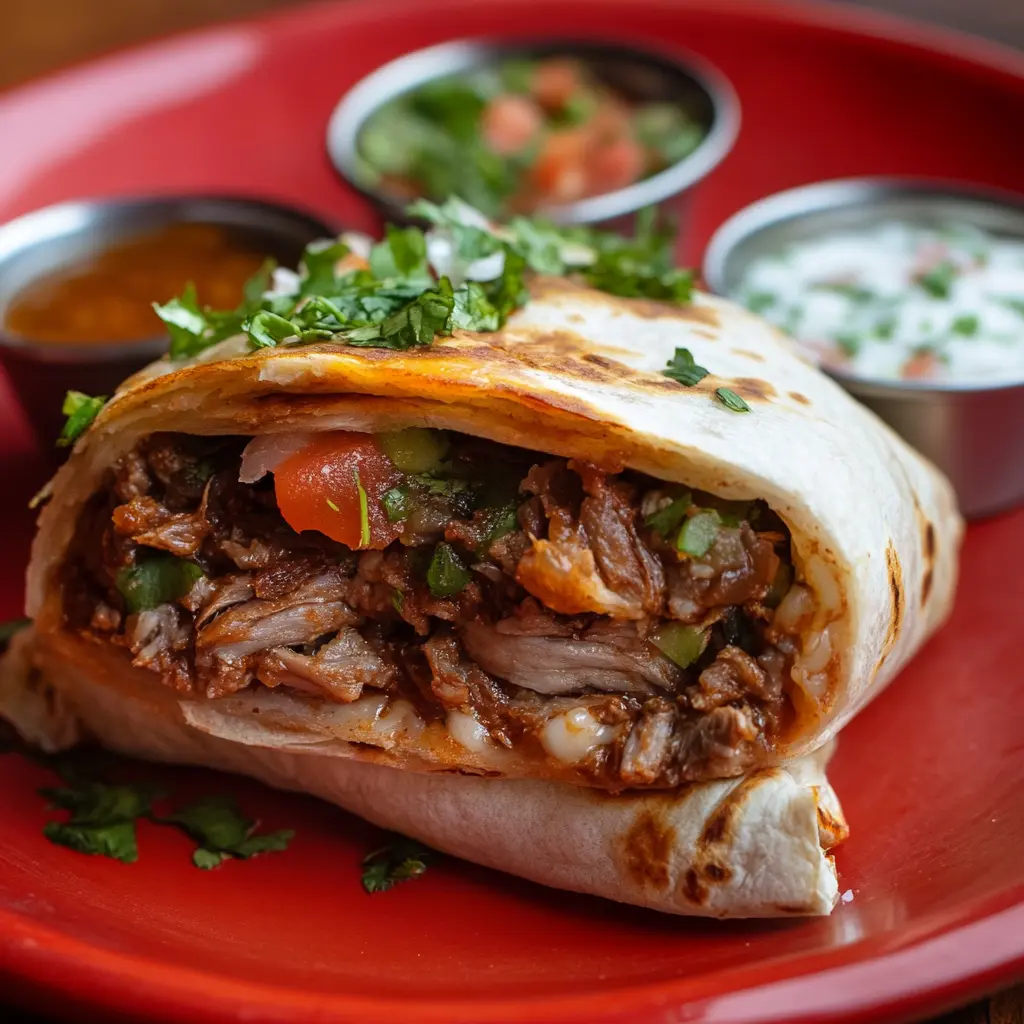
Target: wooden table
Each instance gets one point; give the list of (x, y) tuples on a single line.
[(41, 35)]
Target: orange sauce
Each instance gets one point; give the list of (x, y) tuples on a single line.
[(108, 295)]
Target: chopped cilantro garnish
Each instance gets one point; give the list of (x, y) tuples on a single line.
[(849, 342), (400, 861), (364, 512), (731, 400), (156, 580), (939, 280), (966, 325), (682, 368), (446, 575), (80, 410), (396, 504)]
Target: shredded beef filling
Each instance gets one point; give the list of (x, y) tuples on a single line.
[(575, 583)]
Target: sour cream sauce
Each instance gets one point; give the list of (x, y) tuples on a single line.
[(899, 301)]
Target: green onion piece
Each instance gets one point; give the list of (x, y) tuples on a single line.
[(155, 581), (415, 450), (81, 410), (397, 600), (681, 644), (446, 576), (364, 513), (665, 521), (731, 400), (699, 533), (332, 506), (396, 504)]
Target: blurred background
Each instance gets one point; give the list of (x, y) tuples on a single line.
[(40, 36)]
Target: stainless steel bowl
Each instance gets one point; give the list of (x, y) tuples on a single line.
[(647, 73), (39, 243), (975, 434)]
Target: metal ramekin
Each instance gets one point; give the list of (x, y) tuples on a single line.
[(975, 434), (41, 242), (682, 76)]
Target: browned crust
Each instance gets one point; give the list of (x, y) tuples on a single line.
[(799, 398), (716, 839), (897, 599), (647, 849)]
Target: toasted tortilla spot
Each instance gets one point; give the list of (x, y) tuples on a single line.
[(753, 389), (647, 850), (926, 585), (756, 356), (792, 908), (797, 397), (694, 889), (715, 872), (896, 599), (831, 830), (929, 542)]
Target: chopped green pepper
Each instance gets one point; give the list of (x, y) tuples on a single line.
[(681, 644), (699, 533)]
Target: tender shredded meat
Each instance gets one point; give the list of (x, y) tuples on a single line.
[(730, 677), (159, 639), (565, 665), (339, 670), (557, 611), (149, 523)]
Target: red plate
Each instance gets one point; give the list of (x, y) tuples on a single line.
[(930, 775)]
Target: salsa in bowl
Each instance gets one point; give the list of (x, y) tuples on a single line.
[(579, 132)]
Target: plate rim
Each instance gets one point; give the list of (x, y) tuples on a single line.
[(925, 979)]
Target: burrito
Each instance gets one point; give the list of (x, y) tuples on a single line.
[(621, 558)]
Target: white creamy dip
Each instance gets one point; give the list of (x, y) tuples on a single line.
[(899, 301)]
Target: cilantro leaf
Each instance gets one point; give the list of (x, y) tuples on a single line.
[(81, 410), (473, 311), (221, 831), (400, 861), (319, 260), (102, 817), (682, 368), (416, 323), (446, 576), (403, 254), (156, 580), (185, 322)]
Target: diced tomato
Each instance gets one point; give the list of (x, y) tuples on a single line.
[(317, 490), (920, 366), (560, 173), (611, 120), (554, 83), (615, 165), (510, 122)]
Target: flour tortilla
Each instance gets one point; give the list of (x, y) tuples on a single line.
[(575, 373), (743, 847)]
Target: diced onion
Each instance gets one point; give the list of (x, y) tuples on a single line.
[(263, 454)]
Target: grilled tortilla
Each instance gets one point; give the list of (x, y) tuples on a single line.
[(756, 846), (524, 554)]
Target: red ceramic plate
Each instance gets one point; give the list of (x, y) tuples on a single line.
[(930, 774)]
